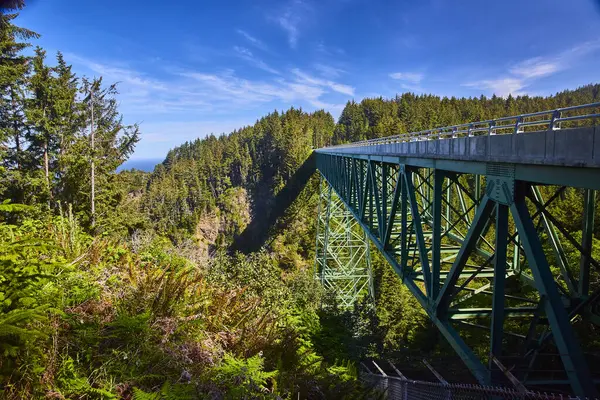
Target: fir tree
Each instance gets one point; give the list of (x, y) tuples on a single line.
[(14, 67)]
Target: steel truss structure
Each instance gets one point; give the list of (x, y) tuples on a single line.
[(342, 259), (483, 251)]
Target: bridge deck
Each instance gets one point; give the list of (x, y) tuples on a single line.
[(574, 147)]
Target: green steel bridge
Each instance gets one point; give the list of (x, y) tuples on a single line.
[(472, 218)]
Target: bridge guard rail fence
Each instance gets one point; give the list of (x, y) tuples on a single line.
[(543, 120), (396, 388)]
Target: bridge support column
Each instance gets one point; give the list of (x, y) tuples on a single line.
[(342, 259), (497, 328)]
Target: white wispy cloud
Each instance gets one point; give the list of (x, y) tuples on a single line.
[(329, 50), (328, 71), (139, 93), (290, 17), (120, 73), (336, 87), (232, 89), (181, 92), (524, 73), (412, 77), (500, 87), (253, 41), (290, 25), (228, 87), (258, 63), (535, 67)]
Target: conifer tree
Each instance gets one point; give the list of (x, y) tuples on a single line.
[(42, 132), (108, 145), (14, 67), (68, 117)]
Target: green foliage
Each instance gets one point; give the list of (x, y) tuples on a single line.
[(22, 314), (72, 384), (13, 331), (142, 299), (44, 138), (168, 391), (161, 290), (226, 175), (413, 329), (7, 207), (243, 377)]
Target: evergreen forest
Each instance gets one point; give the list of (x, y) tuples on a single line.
[(137, 285)]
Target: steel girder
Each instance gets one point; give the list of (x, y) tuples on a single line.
[(481, 250), (342, 259)]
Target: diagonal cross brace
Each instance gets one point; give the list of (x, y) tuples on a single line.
[(566, 342), (483, 213)]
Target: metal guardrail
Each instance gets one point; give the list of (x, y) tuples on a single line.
[(402, 388), (542, 120), (395, 388)]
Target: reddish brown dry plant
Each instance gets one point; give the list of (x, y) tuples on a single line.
[(99, 311)]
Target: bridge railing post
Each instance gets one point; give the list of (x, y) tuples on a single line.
[(492, 128), (555, 115), (518, 127), (384, 381)]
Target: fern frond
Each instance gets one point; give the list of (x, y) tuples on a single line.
[(7, 206), (168, 391), (139, 394)]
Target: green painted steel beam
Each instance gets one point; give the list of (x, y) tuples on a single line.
[(498, 310), (463, 275), (587, 235), (342, 261), (400, 209), (393, 210), (554, 240), (568, 346), (418, 229), (436, 242), (587, 178), (464, 352), (474, 314), (444, 298)]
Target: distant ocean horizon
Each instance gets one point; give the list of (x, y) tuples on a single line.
[(140, 164)]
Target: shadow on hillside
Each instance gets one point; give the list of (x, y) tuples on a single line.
[(257, 232)]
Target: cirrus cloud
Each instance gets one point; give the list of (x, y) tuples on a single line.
[(522, 74), (412, 77)]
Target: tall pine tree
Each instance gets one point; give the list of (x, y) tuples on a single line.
[(14, 67), (41, 133)]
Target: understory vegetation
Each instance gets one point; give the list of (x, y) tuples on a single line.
[(123, 285)]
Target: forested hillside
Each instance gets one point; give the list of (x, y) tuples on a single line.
[(124, 285), (253, 163)]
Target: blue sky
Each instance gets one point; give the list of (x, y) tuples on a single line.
[(188, 68)]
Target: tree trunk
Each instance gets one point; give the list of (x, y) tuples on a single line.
[(93, 166), (16, 130), (46, 162), (17, 147), (46, 167)]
